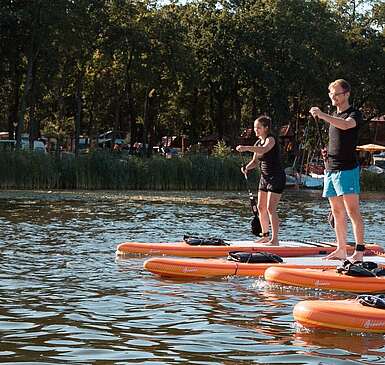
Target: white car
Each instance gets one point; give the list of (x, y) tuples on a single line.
[(38, 146)]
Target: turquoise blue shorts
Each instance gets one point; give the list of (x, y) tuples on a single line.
[(337, 183)]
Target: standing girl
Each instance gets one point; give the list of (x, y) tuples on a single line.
[(273, 178)]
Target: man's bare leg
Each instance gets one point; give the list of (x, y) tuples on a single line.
[(352, 206), (340, 227)]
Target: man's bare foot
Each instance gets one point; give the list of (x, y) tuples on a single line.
[(357, 256), (263, 240), (338, 254)]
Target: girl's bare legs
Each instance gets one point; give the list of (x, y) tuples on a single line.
[(272, 203), (263, 215)]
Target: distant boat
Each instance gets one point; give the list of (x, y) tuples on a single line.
[(375, 170), (291, 180), (379, 159), (311, 180)]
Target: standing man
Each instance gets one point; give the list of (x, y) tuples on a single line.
[(342, 172)]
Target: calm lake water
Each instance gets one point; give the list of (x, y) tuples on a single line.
[(66, 299)]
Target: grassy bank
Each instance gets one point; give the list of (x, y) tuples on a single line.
[(100, 170), (372, 182)]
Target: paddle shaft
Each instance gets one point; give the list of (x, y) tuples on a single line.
[(325, 159), (321, 141), (253, 202), (256, 227)]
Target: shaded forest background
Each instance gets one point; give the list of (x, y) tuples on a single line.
[(73, 67)]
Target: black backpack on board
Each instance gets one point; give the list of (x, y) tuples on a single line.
[(361, 268), (254, 257), (206, 241), (375, 301)]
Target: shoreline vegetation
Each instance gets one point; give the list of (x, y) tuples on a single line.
[(101, 170)]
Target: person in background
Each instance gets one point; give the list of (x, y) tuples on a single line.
[(342, 173), (117, 147), (272, 181)]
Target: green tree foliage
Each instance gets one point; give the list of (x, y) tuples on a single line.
[(84, 67)]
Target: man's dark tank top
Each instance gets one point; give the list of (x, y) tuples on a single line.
[(342, 145), (270, 162)]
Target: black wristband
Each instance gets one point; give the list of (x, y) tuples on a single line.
[(360, 247)]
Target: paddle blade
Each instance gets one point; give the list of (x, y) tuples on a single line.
[(253, 205), (256, 226)]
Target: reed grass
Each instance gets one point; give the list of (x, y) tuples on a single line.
[(103, 170), (371, 181)]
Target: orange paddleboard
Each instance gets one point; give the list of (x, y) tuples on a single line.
[(209, 268), (285, 249), (348, 315), (327, 279)]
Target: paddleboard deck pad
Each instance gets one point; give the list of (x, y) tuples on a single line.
[(285, 248)]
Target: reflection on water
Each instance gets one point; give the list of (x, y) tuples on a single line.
[(64, 298)]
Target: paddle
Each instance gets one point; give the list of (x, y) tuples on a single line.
[(255, 223), (325, 159)]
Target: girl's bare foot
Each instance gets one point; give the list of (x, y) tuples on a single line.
[(263, 240), (338, 254)]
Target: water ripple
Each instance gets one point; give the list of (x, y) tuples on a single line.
[(65, 298)]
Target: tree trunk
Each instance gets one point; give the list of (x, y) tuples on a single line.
[(33, 128), (220, 114), (91, 128), (78, 110), (194, 132), (128, 117), (61, 116), (254, 102), (116, 127), (31, 59), (145, 119), (212, 104), (12, 116), (236, 127), (130, 114), (24, 101), (148, 119)]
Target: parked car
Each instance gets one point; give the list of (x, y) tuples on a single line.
[(38, 146), (105, 140), (7, 144)]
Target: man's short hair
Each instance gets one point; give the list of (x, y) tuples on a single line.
[(341, 82)]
